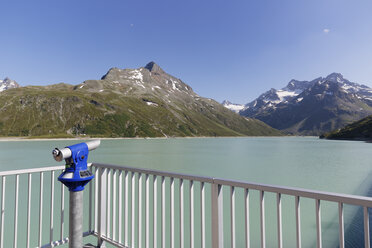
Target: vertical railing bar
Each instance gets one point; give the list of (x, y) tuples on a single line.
[(318, 224), (232, 212), (172, 213), (51, 207), (108, 203), (341, 224), (366, 227), (298, 221), (182, 238), (262, 214), (95, 200), (120, 214), (220, 216), (246, 206), (147, 213), (139, 233), (202, 213), (29, 209), (41, 208), (63, 211), (279, 216), (114, 219), (163, 217), (2, 212), (91, 202), (155, 214), (133, 199), (192, 214), (126, 236), (214, 216), (102, 204), (16, 210)]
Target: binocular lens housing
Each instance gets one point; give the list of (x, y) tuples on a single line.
[(65, 153)]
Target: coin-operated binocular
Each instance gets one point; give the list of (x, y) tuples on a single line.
[(76, 175)]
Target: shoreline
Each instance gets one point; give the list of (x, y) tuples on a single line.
[(4, 139)]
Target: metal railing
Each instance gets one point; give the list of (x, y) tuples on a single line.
[(38, 229), (162, 188), (132, 207)]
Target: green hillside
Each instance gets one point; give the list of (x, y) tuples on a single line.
[(359, 130), (145, 102)]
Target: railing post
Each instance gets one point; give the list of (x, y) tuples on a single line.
[(217, 217), (102, 179)]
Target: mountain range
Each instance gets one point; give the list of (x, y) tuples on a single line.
[(143, 102), (312, 107)]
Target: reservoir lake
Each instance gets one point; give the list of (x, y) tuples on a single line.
[(304, 162)]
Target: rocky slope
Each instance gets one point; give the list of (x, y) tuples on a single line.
[(143, 102), (312, 107)]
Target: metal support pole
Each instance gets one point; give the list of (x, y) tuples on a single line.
[(76, 220)]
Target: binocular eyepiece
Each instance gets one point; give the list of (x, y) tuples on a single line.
[(65, 153)]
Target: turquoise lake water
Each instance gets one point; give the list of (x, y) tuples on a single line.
[(305, 162)]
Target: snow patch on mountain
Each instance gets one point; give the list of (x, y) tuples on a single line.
[(233, 106), (136, 74), (284, 94), (173, 85), (152, 104)]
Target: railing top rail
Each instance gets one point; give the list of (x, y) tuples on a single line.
[(31, 170), (34, 170), (313, 194), (155, 172)]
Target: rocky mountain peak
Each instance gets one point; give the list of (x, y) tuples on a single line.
[(336, 77), (153, 67), (294, 85), (112, 73), (7, 83)]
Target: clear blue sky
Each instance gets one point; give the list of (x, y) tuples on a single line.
[(223, 49)]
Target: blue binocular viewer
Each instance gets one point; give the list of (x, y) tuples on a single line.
[(76, 175)]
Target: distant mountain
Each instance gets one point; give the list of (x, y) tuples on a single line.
[(8, 84), (312, 107), (143, 102), (233, 106), (359, 130)]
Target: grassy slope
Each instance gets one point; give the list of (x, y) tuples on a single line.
[(61, 111), (359, 130)]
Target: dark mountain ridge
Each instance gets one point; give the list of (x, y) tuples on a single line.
[(312, 107)]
